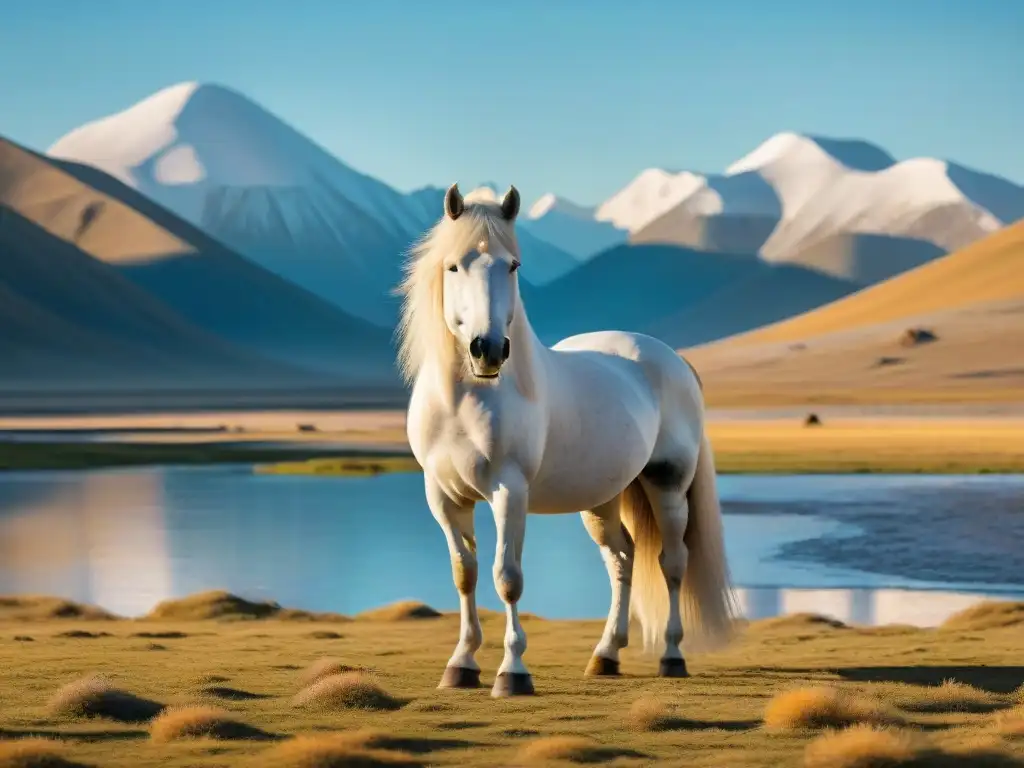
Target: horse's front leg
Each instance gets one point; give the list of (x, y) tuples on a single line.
[(457, 523), (509, 503)]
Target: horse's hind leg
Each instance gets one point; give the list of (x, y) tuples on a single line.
[(605, 528), (665, 483), (457, 523)]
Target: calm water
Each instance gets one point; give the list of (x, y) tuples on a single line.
[(866, 549)]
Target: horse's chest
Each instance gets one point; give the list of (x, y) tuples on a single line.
[(464, 451)]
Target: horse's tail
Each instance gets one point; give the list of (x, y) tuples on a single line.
[(708, 608)]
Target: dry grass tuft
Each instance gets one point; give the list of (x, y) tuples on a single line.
[(332, 751), (795, 621), (1010, 723), (350, 690), (94, 696), (569, 749), (322, 668), (42, 607), (201, 722), (400, 611), (650, 714), (34, 753), (990, 614), (951, 696), (214, 604), (862, 746), (871, 747), (826, 707)]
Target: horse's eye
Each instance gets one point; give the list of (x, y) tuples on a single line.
[(453, 268), (514, 267)]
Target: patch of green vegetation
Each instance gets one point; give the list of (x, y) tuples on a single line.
[(83, 455), (353, 466)]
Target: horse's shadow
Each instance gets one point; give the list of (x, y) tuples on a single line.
[(994, 679)]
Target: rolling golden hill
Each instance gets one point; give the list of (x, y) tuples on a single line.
[(951, 330)]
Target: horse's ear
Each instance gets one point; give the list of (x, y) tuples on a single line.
[(510, 204), (454, 205)]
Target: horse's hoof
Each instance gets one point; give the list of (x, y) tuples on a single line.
[(599, 666), (460, 677), (672, 668), (512, 684)]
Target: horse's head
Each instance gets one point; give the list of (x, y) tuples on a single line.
[(480, 289)]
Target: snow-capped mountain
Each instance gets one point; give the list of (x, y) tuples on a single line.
[(230, 167), (573, 228), (799, 198)]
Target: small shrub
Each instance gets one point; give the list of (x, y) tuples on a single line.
[(570, 749), (351, 690), (333, 751), (648, 714), (826, 707), (35, 753), (322, 668), (200, 722), (95, 697)]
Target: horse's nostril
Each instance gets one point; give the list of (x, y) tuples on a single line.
[(506, 349), (476, 347)]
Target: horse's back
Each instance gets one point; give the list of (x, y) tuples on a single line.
[(673, 382)]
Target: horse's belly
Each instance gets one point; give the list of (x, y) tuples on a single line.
[(589, 474)]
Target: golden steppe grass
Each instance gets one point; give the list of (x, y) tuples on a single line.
[(895, 445), (292, 691)]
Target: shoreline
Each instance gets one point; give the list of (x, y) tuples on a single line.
[(762, 441)]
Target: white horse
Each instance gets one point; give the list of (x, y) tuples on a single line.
[(608, 424)]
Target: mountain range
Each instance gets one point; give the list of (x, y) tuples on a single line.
[(250, 252)]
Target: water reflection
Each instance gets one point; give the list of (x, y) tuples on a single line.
[(127, 539)]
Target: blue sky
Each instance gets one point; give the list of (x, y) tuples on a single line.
[(575, 96)]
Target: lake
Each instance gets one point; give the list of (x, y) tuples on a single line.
[(867, 549)]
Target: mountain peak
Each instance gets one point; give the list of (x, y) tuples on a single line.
[(798, 148), (551, 202)]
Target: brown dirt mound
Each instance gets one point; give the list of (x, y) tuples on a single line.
[(95, 697), (795, 621), (570, 749), (990, 614), (34, 753), (333, 751), (42, 607), (401, 611), (870, 747), (351, 690), (826, 707), (201, 722), (322, 668)]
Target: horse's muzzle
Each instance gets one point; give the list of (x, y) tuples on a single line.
[(489, 355)]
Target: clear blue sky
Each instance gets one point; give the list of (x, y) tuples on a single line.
[(575, 96)]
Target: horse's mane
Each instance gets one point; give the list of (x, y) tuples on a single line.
[(422, 332)]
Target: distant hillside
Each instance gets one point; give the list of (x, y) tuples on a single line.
[(194, 275), (68, 321), (673, 293), (950, 330)]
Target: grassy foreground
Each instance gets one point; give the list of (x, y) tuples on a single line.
[(216, 681)]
